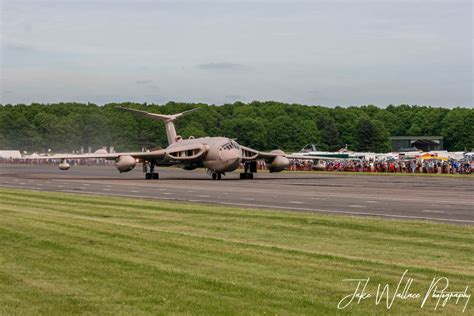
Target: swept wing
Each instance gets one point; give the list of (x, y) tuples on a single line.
[(177, 153), (249, 154)]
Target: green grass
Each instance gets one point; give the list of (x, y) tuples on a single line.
[(69, 254)]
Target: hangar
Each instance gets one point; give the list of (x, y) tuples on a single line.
[(424, 143)]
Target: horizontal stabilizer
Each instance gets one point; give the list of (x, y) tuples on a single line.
[(167, 119), (156, 116)]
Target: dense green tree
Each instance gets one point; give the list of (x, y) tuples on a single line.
[(248, 131), (458, 129), (282, 132), (330, 139), (194, 129), (346, 119), (263, 125), (372, 135), (306, 132)]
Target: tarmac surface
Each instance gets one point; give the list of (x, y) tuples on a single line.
[(440, 199)]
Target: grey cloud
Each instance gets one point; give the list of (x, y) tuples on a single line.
[(22, 48), (234, 97), (395, 51), (155, 98), (148, 83), (143, 81), (28, 28), (220, 66)]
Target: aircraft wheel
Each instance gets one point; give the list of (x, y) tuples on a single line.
[(219, 176), (214, 176), (246, 175), (147, 176), (155, 175)]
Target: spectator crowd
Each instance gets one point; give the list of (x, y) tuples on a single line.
[(433, 166)]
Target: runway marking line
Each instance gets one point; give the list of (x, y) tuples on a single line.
[(295, 202), (386, 198), (356, 206), (282, 207)]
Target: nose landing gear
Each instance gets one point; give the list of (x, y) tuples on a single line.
[(215, 175)]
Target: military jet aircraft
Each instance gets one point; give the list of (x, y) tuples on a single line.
[(217, 154)]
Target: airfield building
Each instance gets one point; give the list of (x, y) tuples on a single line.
[(410, 143)]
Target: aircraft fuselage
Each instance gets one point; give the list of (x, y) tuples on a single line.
[(223, 154)]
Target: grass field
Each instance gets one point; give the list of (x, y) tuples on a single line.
[(69, 254)]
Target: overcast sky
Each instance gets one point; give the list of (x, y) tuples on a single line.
[(313, 52)]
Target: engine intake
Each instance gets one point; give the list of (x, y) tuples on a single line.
[(125, 163), (279, 162), (64, 165)]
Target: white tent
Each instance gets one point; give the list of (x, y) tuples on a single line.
[(7, 154)]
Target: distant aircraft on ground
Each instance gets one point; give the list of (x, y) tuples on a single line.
[(311, 150), (218, 154)]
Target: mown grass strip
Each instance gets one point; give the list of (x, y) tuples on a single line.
[(66, 254)]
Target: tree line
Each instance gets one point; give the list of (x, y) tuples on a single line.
[(64, 127)]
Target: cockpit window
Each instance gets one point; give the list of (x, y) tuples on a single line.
[(230, 145)]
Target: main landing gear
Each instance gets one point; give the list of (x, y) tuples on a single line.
[(246, 175), (250, 168), (150, 174)]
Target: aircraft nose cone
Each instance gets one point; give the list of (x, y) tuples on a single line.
[(230, 159), (230, 155)]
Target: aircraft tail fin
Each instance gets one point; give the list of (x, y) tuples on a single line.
[(167, 119)]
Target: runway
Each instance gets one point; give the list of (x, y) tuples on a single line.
[(440, 199)]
